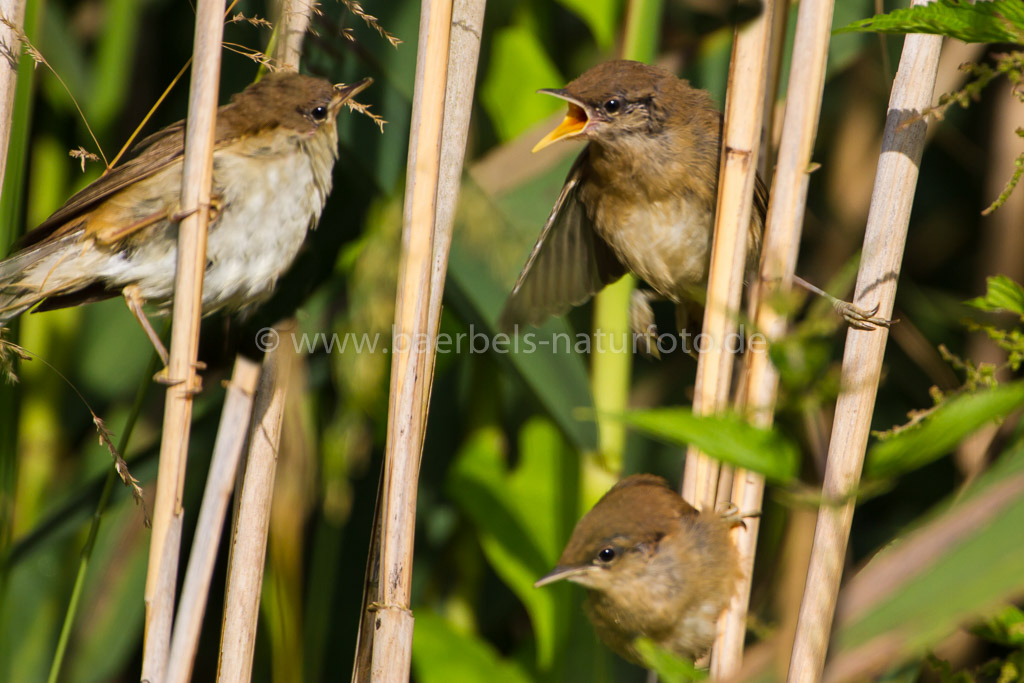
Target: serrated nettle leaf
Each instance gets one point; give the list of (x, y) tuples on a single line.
[(942, 430), (1002, 294), (728, 438), (997, 21)]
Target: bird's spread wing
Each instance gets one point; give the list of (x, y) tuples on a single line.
[(569, 263)]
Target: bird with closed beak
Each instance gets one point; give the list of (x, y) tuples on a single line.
[(275, 147), (641, 198), (653, 567)]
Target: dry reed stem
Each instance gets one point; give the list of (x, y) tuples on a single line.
[(227, 449), (197, 176), (10, 47), (254, 501), (292, 25), (756, 67), (252, 521), (412, 361), (741, 135), (464, 54), (778, 264), (884, 239)]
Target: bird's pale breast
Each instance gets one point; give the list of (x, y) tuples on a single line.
[(665, 242)]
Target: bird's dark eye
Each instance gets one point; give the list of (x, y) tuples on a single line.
[(606, 554), (613, 106), (319, 113)]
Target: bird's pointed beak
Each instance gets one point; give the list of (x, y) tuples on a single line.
[(560, 573), (345, 92), (574, 123)]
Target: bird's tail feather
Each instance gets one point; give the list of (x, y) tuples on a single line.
[(17, 296)]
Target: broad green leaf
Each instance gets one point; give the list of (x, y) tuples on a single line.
[(942, 430), (441, 654), (997, 21), (670, 669), (1001, 294), (522, 517), (728, 438), (600, 16), (974, 571), (519, 66)]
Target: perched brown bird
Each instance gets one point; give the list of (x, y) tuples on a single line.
[(275, 147), (641, 198), (652, 566)]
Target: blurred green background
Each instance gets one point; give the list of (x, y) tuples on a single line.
[(512, 457)]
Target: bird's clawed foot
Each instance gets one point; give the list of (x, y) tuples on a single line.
[(164, 377), (731, 515), (858, 318)]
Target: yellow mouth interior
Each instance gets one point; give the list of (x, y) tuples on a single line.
[(573, 124)]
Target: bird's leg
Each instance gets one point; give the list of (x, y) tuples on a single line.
[(133, 298), (731, 515), (641, 321), (856, 317)]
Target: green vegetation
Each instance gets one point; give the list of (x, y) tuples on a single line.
[(517, 446)]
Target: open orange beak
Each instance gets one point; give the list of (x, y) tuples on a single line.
[(574, 123)]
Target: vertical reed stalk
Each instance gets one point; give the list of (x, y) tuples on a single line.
[(744, 114), (249, 537), (188, 286), (227, 450), (884, 240), (14, 12), (741, 136), (417, 309)]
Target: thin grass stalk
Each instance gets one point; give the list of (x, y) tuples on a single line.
[(412, 361), (252, 521), (884, 239), (197, 175), (741, 135), (94, 527), (227, 449)]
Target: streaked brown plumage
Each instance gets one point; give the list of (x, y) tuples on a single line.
[(652, 566), (640, 197), (275, 147)]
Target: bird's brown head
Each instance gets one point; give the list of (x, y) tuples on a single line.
[(305, 104), (623, 98), (615, 540)]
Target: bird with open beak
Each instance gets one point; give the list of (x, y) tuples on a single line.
[(641, 198)]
